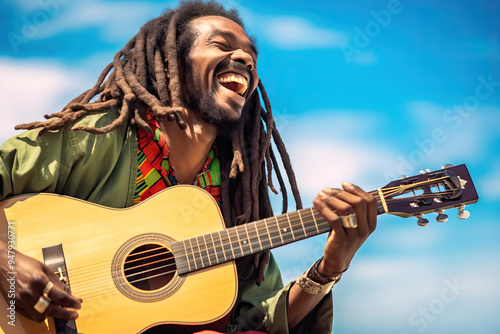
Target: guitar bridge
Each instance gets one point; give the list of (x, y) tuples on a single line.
[(53, 257)]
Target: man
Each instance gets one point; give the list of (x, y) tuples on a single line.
[(180, 105)]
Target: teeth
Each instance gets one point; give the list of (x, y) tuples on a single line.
[(243, 82)]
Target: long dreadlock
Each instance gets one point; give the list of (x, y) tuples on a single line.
[(145, 74)]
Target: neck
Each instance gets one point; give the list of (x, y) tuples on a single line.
[(242, 240), (188, 149)]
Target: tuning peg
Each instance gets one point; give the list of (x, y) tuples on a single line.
[(446, 166), (402, 177), (422, 171), (462, 213), (441, 217), (421, 221)]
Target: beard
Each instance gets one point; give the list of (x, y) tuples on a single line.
[(205, 103)]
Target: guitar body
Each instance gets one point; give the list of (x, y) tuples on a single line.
[(98, 242)]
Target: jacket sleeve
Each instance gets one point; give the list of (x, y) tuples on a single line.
[(97, 168), (264, 307), (32, 164)]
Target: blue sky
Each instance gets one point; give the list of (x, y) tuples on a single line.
[(362, 91)]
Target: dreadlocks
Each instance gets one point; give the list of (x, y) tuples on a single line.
[(145, 74)]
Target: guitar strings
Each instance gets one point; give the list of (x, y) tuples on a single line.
[(76, 277), (192, 254), (223, 244), (388, 192)]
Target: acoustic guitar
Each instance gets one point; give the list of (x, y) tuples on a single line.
[(163, 261)]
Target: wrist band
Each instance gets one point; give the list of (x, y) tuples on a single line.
[(313, 282), (314, 274)]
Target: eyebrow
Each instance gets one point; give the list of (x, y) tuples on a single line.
[(232, 36)]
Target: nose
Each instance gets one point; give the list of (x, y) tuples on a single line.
[(243, 57)]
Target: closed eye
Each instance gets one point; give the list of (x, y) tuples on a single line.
[(223, 46)]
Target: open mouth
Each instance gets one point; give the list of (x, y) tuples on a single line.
[(234, 82)]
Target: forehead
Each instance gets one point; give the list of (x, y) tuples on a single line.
[(213, 25)]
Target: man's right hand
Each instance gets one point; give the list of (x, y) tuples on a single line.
[(31, 278)]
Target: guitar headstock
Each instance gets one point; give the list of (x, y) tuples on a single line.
[(449, 187)]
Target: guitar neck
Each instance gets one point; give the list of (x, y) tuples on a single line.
[(239, 241)]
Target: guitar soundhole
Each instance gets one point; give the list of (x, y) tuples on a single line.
[(149, 267)]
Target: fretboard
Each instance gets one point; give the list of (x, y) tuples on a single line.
[(235, 242)]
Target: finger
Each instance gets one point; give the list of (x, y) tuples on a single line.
[(371, 203), (337, 201), (330, 216), (30, 313), (63, 298), (59, 312), (346, 203), (60, 293)]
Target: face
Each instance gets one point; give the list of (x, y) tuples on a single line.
[(220, 74)]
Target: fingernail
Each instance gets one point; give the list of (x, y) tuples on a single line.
[(321, 194), (328, 190), (346, 184)]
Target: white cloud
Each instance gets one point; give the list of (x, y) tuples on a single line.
[(329, 163), (121, 21), (386, 292), (290, 32), (30, 89), (328, 147), (489, 184), (464, 132), (293, 32), (117, 20)]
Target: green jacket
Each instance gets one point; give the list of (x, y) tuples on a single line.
[(102, 169)]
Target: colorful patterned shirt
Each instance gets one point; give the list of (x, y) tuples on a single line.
[(155, 172)]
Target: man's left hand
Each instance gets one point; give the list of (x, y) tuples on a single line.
[(343, 242)]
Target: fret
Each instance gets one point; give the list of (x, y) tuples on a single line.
[(275, 233), (222, 246), (257, 233), (284, 228), (215, 248), (187, 255), (314, 218), (235, 239), (263, 234), (296, 226), (290, 224), (199, 251), (193, 253), (228, 244), (308, 222), (249, 239), (324, 226), (244, 240), (279, 230), (208, 252), (267, 229), (302, 222)]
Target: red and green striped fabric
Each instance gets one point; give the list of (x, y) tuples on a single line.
[(155, 172)]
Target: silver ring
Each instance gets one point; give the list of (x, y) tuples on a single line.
[(349, 221), (47, 289), (42, 304)]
